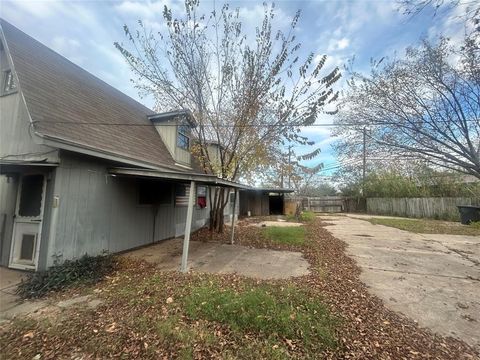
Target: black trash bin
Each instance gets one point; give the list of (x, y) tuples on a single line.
[(469, 213)]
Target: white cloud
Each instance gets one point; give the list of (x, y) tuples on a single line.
[(39, 9), (147, 9), (338, 44), (70, 48), (63, 44)]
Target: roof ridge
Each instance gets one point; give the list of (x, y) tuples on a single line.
[(64, 58), (62, 93)]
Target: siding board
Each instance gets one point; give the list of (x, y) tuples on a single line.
[(98, 212)]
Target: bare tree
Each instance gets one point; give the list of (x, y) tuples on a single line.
[(247, 95), (423, 107), (414, 7)]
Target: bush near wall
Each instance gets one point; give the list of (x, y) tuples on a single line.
[(87, 269)]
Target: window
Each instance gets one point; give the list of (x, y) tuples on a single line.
[(183, 141), (31, 196), (152, 192), (8, 82)]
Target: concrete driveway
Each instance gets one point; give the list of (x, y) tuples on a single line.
[(9, 279), (433, 279), (218, 258)]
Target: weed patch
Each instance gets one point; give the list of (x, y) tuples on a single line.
[(305, 216), (278, 312), (426, 226), (286, 235), (87, 269)]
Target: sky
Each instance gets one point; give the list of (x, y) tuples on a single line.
[(84, 32)]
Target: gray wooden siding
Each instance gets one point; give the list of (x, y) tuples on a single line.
[(8, 195), (257, 202), (227, 213), (15, 139), (182, 156), (99, 212), (169, 137)]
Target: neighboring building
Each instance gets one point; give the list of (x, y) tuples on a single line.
[(262, 201), (82, 169)]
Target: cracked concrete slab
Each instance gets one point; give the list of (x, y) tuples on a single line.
[(9, 279), (433, 279), (222, 258)]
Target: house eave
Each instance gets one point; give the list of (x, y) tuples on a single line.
[(161, 117), (65, 144), (177, 176)]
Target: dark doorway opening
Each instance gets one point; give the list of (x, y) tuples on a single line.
[(276, 204)]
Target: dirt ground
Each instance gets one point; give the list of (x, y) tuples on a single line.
[(433, 279)]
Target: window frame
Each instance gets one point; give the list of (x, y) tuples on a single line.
[(7, 75), (183, 132)]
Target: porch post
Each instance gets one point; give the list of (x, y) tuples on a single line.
[(188, 227), (233, 215)]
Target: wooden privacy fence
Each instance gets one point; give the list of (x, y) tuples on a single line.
[(433, 208), (321, 204)]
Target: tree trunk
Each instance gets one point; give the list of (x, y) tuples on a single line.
[(216, 211)]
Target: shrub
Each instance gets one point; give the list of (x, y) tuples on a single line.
[(475, 225), (307, 216), (87, 269)]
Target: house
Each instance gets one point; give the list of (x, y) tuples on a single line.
[(85, 168)]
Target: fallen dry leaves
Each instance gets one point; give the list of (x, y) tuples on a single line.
[(369, 329), (138, 297)]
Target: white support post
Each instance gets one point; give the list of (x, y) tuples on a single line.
[(188, 227), (233, 215)]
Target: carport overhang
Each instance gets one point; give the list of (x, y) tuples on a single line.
[(185, 177), (268, 190), (255, 200)]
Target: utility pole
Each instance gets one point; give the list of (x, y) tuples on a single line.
[(364, 159), (289, 167)]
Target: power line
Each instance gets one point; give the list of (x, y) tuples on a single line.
[(359, 125)]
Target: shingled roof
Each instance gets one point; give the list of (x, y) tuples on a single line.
[(60, 96)]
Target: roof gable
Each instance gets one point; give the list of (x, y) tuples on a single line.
[(69, 104)]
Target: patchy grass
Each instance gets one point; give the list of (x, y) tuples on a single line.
[(288, 235), (305, 216), (272, 311), (475, 225), (425, 226), (149, 314)]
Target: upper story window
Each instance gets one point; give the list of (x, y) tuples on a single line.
[(183, 139), (8, 82)]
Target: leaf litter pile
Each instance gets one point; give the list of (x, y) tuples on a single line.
[(147, 313)]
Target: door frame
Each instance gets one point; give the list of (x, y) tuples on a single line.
[(11, 264)]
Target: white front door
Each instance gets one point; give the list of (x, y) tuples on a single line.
[(28, 221)]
